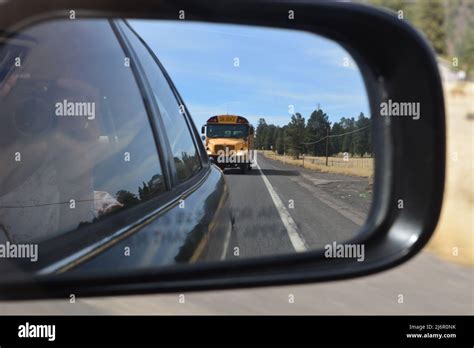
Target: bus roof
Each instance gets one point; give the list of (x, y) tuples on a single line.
[(228, 119)]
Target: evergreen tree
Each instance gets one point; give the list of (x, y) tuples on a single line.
[(361, 138), (269, 136), (348, 125), (295, 133), (335, 143), (466, 51), (431, 20), (280, 141), (317, 128), (261, 127)]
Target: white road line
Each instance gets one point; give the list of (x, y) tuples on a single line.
[(290, 225), (226, 243)]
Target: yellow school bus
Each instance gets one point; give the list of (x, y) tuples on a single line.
[(229, 141)]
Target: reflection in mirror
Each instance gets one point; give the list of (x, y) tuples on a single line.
[(108, 129)]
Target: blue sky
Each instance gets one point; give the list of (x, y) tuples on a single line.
[(277, 68)]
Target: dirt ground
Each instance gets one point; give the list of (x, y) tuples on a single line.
[(453, 239)]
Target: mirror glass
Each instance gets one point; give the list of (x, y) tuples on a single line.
[(136, 144)]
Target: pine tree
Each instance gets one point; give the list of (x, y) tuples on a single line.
[(295, 132), (336, 142), (280, 141), (261, 127), (361, 138), (316, 129), (431, 20)]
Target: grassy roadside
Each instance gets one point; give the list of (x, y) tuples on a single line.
[(354, 166)]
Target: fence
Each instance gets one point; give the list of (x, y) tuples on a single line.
[(350, 162)]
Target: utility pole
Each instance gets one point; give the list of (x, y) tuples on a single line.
[(327, 145)]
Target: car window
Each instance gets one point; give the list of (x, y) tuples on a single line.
[(76, 141), (184, 151)]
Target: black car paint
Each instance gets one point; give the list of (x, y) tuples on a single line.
[(194, 230)]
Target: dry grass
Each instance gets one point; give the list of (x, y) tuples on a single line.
[(363, 167), (456, 226)]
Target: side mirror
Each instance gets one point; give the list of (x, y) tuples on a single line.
[(398, 71)]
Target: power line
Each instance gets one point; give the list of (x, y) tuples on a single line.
[(315, 142), (335, 135), (354, 131)]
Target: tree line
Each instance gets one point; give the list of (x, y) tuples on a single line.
[(447, 24), (298, 136)]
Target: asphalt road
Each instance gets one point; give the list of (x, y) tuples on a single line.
[(283, 209)]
